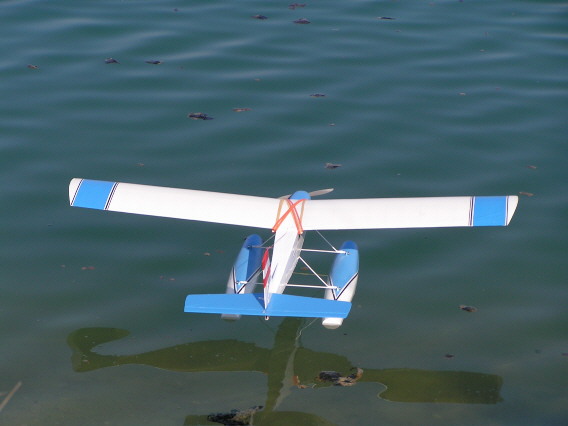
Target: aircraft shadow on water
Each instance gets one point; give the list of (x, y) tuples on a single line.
[(288, 366)]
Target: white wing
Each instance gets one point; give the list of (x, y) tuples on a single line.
[(176, 203), (428, 212), (261, 212)]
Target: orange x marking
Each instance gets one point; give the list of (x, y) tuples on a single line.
[(291, 208)]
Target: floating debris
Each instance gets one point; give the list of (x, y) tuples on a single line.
[(302, 21), (332, 165), (529, 166), (385, 18), (111, 61), (295, 5), (296, 382), (449, 356), (154, 62), (338, 380), (198, 116), (526, 194), (318, 95), (261, 17), (33, 67), (87, 268), (241, 109), (468, 308), (235, 417)]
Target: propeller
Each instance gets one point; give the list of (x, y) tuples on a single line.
[(312, 193)]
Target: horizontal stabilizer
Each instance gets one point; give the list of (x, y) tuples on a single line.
[(281, 305)]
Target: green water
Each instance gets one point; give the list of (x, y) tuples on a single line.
[(448, 98)]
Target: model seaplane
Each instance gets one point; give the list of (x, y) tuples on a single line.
[(288, 218)]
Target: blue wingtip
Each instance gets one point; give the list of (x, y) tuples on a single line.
[(93, 194), (489, 211)]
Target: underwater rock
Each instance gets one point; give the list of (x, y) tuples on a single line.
[(338, 380), (235, 417)]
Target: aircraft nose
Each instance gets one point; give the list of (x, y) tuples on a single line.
[(300, 195)]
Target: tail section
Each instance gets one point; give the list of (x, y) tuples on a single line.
[(281, 305)]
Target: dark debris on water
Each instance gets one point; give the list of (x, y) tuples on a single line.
[(199, 116)]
